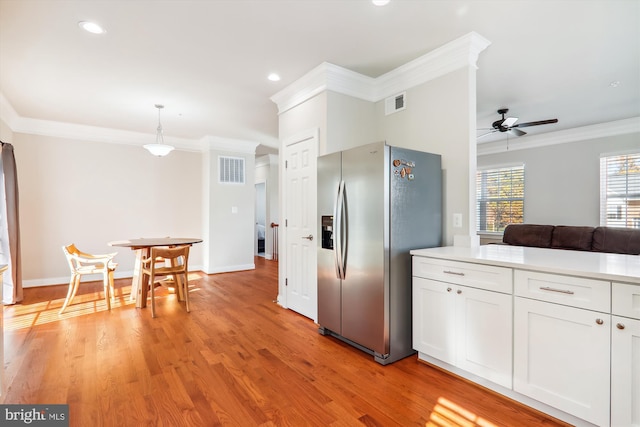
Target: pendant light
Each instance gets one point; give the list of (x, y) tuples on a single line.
[(159, 149)]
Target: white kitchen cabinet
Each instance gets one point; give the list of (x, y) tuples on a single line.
[(484, 322), (625, 356), (449, 319), (576, 325), (434, 319), (562, 357)]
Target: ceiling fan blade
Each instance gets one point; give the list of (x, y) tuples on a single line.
[(485, 134), (509, 121), (541, 122), (517, 132)]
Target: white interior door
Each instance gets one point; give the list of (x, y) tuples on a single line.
[(300, 189)]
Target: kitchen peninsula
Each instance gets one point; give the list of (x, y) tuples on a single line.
[(558, 330)]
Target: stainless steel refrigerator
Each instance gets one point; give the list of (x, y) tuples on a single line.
[(375, 204)]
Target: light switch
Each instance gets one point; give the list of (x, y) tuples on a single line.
[(457, 220), (234, 209)]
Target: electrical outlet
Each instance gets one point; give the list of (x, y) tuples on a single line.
[(457, 220)]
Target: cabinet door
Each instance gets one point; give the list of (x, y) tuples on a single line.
[(434, 319), (625, 372), (561, 358), (484, 322)]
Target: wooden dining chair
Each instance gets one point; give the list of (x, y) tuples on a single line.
[(173, 262), (81, 263)]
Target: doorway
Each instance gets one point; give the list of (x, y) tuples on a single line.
[(261, 218)]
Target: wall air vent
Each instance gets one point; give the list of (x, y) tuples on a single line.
[(231, 170), (395, 103)]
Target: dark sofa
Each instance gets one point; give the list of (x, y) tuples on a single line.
[(595, 239)]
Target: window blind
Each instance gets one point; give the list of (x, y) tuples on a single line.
[(620, 190), (500, 197)]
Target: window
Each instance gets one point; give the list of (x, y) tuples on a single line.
[(620, 190), (500, 197), (231, 170)]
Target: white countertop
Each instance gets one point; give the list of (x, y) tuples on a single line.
[(612, 267)]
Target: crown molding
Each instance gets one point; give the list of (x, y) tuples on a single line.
[(216, 143), (459, 53), (462, 52), (303, 89), (50, 128), (267, 160), (55, 129), (600, 130)]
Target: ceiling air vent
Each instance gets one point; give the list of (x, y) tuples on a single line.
[(231, 170), (395, 103)]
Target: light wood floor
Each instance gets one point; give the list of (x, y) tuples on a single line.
[(238, 359)]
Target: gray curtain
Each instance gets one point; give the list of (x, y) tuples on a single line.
[(12, 292)]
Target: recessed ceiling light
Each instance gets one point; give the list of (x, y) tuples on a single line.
[(380, 2), (91, 27), (274, 77)]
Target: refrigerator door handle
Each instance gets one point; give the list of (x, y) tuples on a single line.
[(344, 232), (338, 233)]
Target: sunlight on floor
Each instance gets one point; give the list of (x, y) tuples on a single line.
[(448, 414), (26, 316), (21, 316)]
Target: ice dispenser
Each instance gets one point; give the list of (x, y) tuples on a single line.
[(327, 231)]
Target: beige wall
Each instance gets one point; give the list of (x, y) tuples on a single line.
[(6, 134), (351, 122), (438, 120), (310, 115), (91, 193), (562, 182), (231, 218)]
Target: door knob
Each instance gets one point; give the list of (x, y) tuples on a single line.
[(309, 237)]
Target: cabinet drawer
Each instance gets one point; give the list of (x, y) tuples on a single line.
[(625, 300), (573, 291), (481, 276)]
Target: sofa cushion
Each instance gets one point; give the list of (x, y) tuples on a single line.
[(528, 235), (572, 237), (616, 240)]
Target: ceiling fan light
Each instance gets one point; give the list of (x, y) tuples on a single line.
[(509, 121)]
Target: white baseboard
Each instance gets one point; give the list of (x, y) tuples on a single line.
[(64, 280), (231, 268)]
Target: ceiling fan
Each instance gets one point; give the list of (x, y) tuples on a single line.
[(508, 124)]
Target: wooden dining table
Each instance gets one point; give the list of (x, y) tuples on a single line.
[(143, 246)]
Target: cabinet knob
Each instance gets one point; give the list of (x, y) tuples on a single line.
[(448, 289), (459, 291), (620, 325), (599, 321)]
